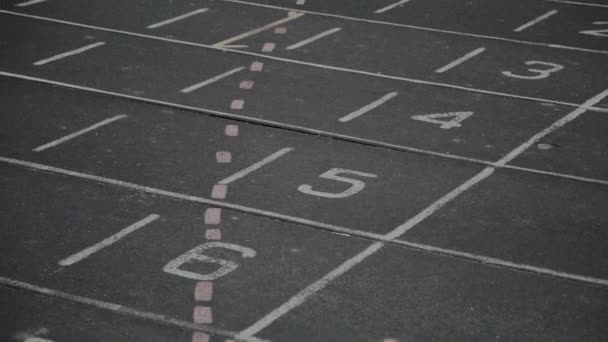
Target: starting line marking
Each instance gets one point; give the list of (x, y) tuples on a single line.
[(253, 167), (69, 53), (313, 38), (178, 18), (460, 60), (211, 80), (76, 257), (368, 107), (391, 6), (535, 21), (78, 133)]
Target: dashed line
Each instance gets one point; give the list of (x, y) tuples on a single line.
[(256, 166), (391, 6), (200, 337), (219, 191), (237, 104), (203, 291), (257, 30), (535, 21), (300, 2), (268, 47), (460, 60), (211, 80), (313, 38), (280, 30), (213, 234), (213, 216), (232, 130), (68, 53), (223, 156), (256, 66), (375, 104), (78, 133), (29, 3), (578, 3), (202, 315), (246, 84), (178, 18)]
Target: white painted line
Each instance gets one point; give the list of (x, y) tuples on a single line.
[(69, 53), (211, 80), (244, 35), (29, 3), (178, 18), (391, 6), (535, 21), (460, 60), (313, 38), (120, 309), (255, 166), (76, 257), (578, 3), (368, 107), (78, 133)]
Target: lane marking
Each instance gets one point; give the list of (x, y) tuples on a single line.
[(223, 156), (29, 3), (257, 66), (213, 216), (368, 107), (78, 133), (422, 28), (257, 30), (231, 130), (219, 191), (300, 2), (202, 315), (246, 84), (577, 3), (213, 234), (76, 257), (391, 6), (256, 166), (320, 284), (120, 309), (178, 18), (68, 53), (200, 337), (460, 60), (211, 80), (280, 30), (203, 291), (268, 47), (535, 21), (313, 38), (237, 104)]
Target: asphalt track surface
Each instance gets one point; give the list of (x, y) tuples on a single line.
[(304, 170)]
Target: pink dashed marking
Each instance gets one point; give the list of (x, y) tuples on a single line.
[(237, 104), (223, 156), (257, 66), (219, 191), (200, 337), (300, 2), (202, 315), (246, 85), (292, 13), (213, 216), (268, 47), (203, 291), (232, 130), (280, 30), (213, 234)]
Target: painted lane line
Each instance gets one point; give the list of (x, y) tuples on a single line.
[(268, 47), (78, 133), (422, 28), (578, 3), (211, 80), (313, 38), (37, 339), (368, 107), (29, 3), (120, 309), (390, 7), (247, 84), (178, 18), (280, 30), (69, 53), (203, 291), (219, 191), (318, 285), (535, 21), (76, 257), (237, 104), (213, 216), (223, 157), (244, 35), (306, 130), (460, 60), (256, 166), (301, 221), (314, 65), (256, 66), (202, 315), (213, 234), (200, 337), (231, 130)]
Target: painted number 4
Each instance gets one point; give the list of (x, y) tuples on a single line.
[(334, 174), (444, 120)]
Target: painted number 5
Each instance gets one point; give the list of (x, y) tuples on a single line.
[(333, 174), (539, 74)]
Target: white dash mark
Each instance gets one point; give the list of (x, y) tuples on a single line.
[(391, 6), (535, 21), (69, 53), (178, 18), (29, 3), (278, 154), (460, 60), (313, 38), (577, 3), (244, 35), (368, 107), (74, 258), (268, 47), (211, 80), (300, 2), (78, 133)]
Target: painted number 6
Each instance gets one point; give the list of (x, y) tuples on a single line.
[(540, 73), (355, 184)]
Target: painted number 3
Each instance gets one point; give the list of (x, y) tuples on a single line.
[(333, 174), (537, 74)]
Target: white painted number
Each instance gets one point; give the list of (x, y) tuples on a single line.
[(597, 33), (456, 119), (225, 266), (540, 73), (356, 185)]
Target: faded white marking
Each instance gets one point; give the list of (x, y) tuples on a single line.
[(69, 53), (178, 18), (231, 130), (76, 257), (535, 21), (78, 133), (256, 66), (391, 6), (237, 104), (368, 107), (29, 3), (457, 118), (211, 80), (460, 60), (219, 191), (578, 3), (268, 47), (223, 156), (313, 38), (300, 2), (257, 30), (280, 30), (255, 166), (540, 73)]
